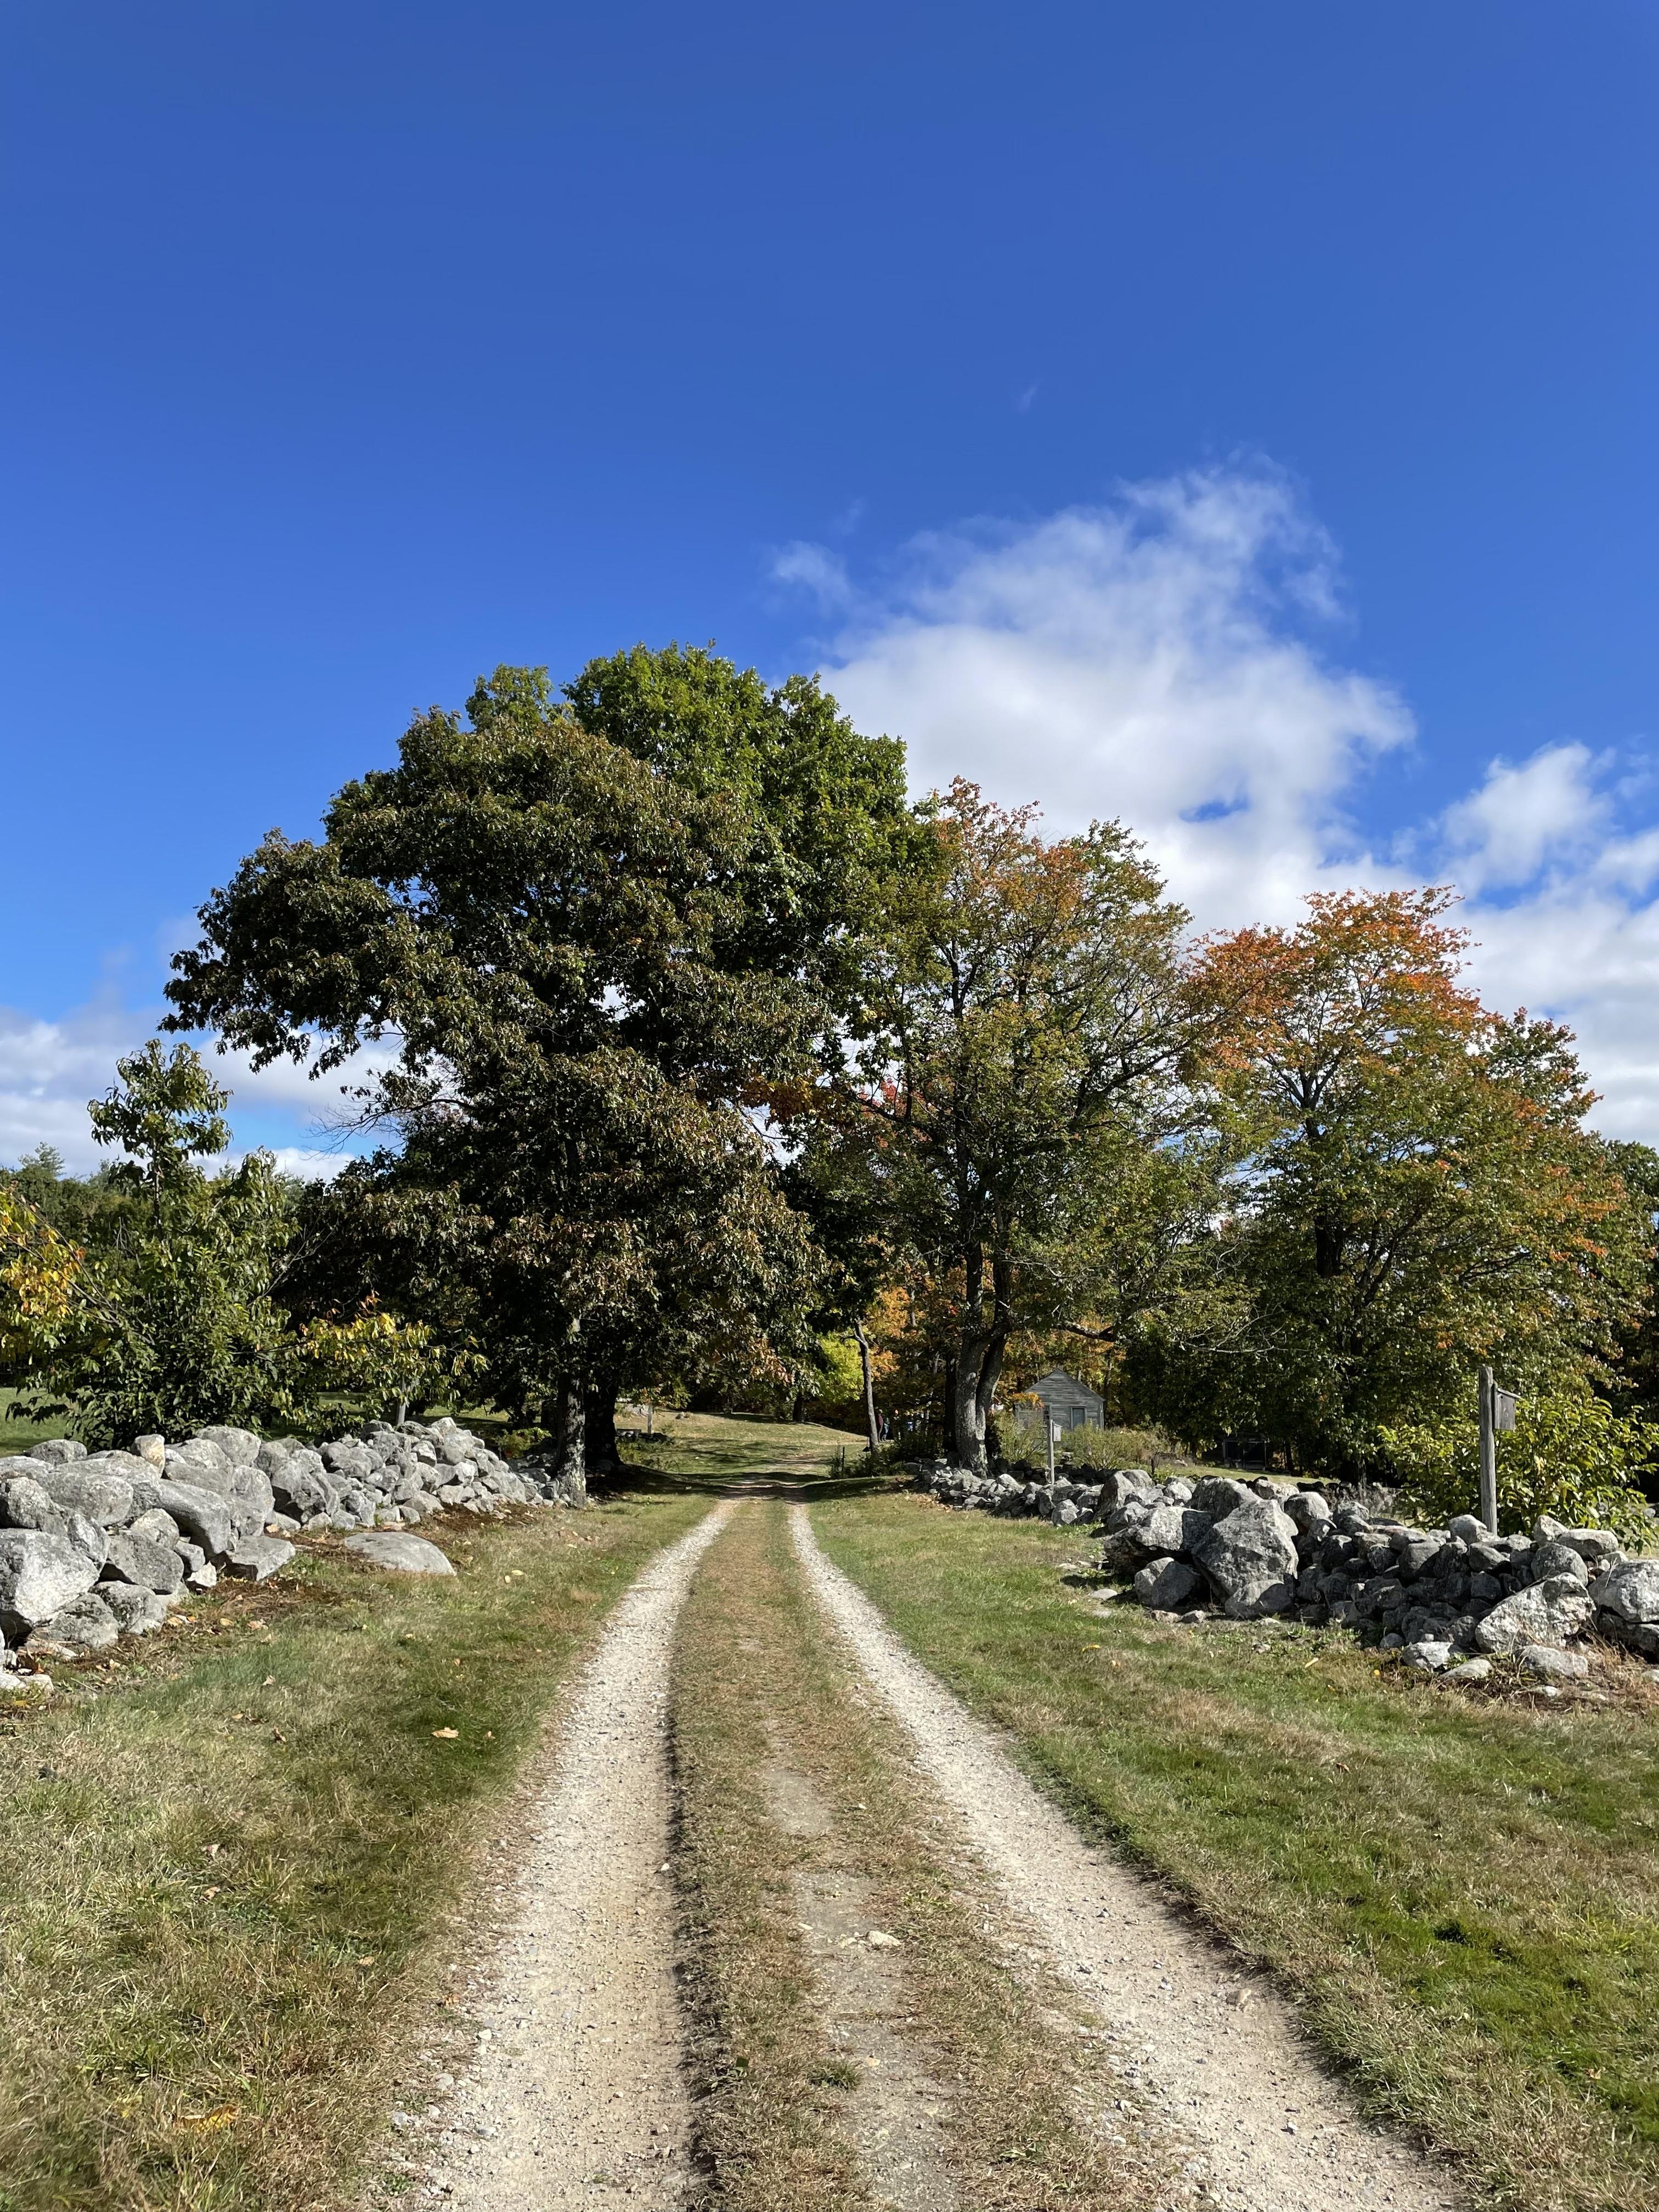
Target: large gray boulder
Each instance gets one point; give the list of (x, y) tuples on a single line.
[(1124, 1484), (245, 1487), (256, 1559), (240, 1446), (141, 1563), (1549, 1612), (1169, 1531), (1250, 1559), (39, 1574), (399, 1553), (1558, 1557), (24, 1503), (204, 1516), (57, 1449), (1311, 1511), (1166, 1585), (105, 1494), (1629, 1593), (1218, 1495), (300, 1486), (137, 1611)]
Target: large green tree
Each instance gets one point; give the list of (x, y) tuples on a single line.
[(581, 963)]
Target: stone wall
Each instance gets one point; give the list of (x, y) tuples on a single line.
[(95, 1545), (1447, 1598)]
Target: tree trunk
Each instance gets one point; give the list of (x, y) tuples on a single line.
[(599, 1425), (968, 1405), (869, 1385), (565, 1451)]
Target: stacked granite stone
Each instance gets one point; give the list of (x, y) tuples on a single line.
[(97, 1544), (1447, 1599)]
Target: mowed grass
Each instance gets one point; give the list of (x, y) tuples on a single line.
[(228, 1860), (1462, 1893), (720, 1449)]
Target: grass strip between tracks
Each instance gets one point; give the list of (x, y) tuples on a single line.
[(758, 1677), (1463, 1893), (224, 1858)]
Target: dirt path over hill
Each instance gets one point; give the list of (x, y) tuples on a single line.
[(1213, 2053), (576, 2095)]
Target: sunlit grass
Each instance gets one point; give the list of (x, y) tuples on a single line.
[(1463, 1893)]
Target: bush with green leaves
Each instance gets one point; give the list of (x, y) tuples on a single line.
[(1569, 1455), (175, 1318), (1024, 1448)]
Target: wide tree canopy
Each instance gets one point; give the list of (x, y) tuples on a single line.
[(1018, 1110), (573, 965)]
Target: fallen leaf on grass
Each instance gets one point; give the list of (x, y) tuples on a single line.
[(221, 2116), (448, 1735), (211, 1850)]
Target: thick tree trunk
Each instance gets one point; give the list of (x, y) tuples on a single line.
[(599, 1425), (967, 1410), (565, 1452), (863, 1342)]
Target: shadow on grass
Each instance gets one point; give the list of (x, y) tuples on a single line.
[(713, 1482)]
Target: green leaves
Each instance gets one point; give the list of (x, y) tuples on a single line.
[(1569, 1455), (587, 939)]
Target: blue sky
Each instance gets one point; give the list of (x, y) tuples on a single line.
[(1239, 419)]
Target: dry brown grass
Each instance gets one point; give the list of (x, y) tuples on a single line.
[(757, 1680), (225, 1863)]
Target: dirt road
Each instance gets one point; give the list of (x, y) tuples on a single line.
[(1214, 2052), (576, 2094)]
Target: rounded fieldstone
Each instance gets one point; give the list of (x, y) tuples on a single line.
[(399, 1554)]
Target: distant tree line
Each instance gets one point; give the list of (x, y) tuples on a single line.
[(694, 1057)]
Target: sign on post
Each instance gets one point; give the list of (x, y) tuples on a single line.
[(1497, 1412)]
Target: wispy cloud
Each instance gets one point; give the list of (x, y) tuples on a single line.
[(1174, 658)]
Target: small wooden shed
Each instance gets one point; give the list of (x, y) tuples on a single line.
[(1068, 1403)]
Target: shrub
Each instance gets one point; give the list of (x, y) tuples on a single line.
[(1569, 1455), (1024, 1446)]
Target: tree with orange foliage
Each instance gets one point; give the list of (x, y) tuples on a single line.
[(1019, 1108), (1421, 1193)]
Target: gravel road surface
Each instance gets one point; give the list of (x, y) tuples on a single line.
[(575, 2096), (1212, 2052)]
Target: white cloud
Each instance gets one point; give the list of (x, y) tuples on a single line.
[(1170, 658), (50, 1069), (1548, 813), (1152, 660)]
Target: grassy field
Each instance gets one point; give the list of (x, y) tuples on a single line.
[(1463, 1893), (226, 1857), (17, 1433), (763, 1706), (719, 1450)]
